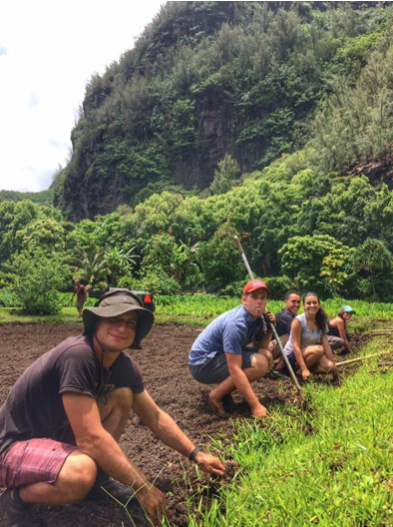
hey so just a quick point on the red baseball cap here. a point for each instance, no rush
(254, 285)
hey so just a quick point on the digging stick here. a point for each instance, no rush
(358, 359)
(271, 326)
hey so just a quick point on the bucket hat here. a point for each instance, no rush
(117, 302)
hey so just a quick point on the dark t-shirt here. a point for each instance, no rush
(81, 294)
(333, 331)
(34, 406)
(283, 322)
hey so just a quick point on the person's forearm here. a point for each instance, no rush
(299, 358)
(243, 385)
(167, 430)
(329, 354)
(111, 459)
(326, 348)
(265, 340)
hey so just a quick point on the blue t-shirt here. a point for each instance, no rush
(229, 333)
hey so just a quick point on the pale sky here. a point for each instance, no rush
(49, 49)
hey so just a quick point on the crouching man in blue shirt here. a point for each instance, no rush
(219, 355)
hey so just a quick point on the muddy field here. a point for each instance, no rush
(164, 365)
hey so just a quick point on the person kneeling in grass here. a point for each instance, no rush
(284, 320)
(62, 420)
(338, 335)
(308, 348)
(219, 354)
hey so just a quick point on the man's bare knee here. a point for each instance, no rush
(263, 352)
(77, 477)
(261, 363)
(121, 399)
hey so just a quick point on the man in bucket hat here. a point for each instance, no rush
(220, 356)
(62, 420)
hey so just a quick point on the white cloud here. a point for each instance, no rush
(48, 51)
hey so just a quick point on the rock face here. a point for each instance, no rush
(86, 193)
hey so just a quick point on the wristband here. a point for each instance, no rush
(191, 457)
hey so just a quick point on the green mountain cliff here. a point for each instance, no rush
(212, 79)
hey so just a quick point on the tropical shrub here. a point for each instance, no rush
(8, 298)
(278, 286)
(219, 261)
(315, 262)
(158, 282)
(127, 282)
(36, 281)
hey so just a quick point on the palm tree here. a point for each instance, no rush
(90, 265)
(120, 262)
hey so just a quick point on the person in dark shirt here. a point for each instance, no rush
(63, 418)
(81, 296)
(338, 335)
(284, 320)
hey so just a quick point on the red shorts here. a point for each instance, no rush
(31, 461)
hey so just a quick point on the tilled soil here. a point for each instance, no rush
(164, 365)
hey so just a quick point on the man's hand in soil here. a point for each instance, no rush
(259, 411)
(209, 464)
(153, 501)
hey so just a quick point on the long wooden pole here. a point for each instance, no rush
(358, 359)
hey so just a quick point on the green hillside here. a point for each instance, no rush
(242, 79)
(45, 197)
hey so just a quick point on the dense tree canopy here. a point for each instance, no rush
(328, 234)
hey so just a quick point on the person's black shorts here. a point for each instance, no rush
(215, 370)
(292, 361)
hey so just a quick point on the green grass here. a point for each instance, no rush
(200, 309)
(329, 464)
(207, 304)
(68, 315)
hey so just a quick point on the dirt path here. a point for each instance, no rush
(164, 365)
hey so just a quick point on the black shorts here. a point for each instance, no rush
(215, 370)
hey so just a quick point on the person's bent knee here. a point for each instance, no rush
(77, 476)
(264, 352)
(261, 362)
(320, 351)
(121, 399)
(329, 365)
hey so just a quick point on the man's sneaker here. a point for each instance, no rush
(113, 490)
(15, 514)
